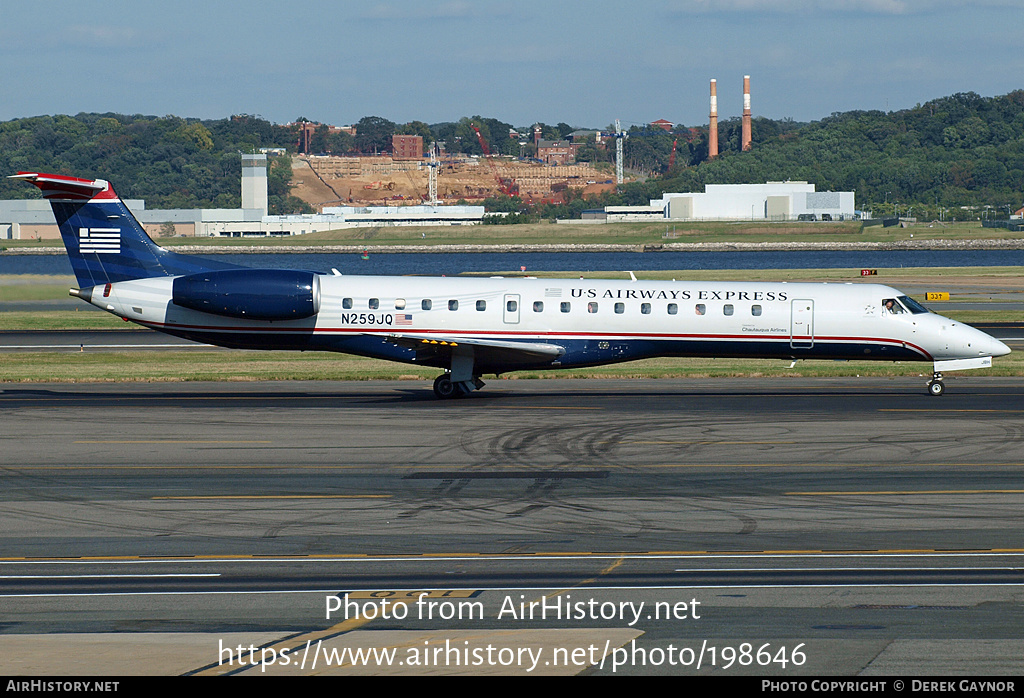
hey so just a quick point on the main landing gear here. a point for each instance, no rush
(462, 379)
(935, 386)
(445, 388)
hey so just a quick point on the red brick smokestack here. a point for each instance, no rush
(713, 124)
(746, 112)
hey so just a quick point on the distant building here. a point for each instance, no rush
(634, 214)
(663, 124)
(773, 201)
(254, 181)
(362, 216)
(307, 129)
(407, 147)
(557, 152)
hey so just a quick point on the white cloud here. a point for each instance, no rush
(454, 9)
(101, 36)
(877, 7)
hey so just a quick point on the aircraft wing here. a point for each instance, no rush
(486, 351)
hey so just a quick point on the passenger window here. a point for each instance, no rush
(727, 309)
(673, 309)
(399, 304)
(755, 310)
(453, 305)
(346, 303)
(620, 308)
(510, 306)
(481, 305)
(538, 306)
(645, 308)
(425, 304)
(700, 309)
(566, 306)
(374, 303)
(591, 307)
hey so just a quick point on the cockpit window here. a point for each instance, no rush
(913, 306)
(892, 306)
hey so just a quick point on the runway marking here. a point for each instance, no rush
(617, 558)
(12, 347)
(700, 442)
(539, 407)
(172, 441)
(516, 470)
(291, 643)
(837, 464)
(902, 492)
(278, 496)
(79, 398)
(612, 588)
(939, 409)
(603, 572)
(412, 595)
(110, 576)
(179, 466)
(469, 474)
(704, 570)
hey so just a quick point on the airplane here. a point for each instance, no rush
(469, 327)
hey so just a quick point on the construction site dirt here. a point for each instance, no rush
(382, 181)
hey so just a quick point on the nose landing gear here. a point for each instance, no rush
(935, 386)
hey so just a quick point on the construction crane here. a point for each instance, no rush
(672, 157)
(432, 176)
(507, 185)
(620, 136)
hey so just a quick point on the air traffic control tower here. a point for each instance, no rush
(254, 181)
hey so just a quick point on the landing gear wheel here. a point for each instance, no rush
(936, 388)
(444, 388)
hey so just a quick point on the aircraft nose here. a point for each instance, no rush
(987, 345)
(998, 348)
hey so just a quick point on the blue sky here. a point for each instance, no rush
(584, 63)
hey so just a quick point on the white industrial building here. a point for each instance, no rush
(772, 201)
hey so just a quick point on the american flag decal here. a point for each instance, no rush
(99, 240)
(403, 319)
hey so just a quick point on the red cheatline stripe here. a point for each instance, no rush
(456, 334)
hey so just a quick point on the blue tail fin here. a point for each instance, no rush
(104, 241)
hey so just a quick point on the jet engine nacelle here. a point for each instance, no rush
(255, 294)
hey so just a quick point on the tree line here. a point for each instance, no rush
(963, 150)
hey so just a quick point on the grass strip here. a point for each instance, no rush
(199, 365)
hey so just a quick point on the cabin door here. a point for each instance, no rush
(801, 332)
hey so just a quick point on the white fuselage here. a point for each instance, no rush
(596, 321)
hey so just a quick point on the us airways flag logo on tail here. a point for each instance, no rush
(99, 240)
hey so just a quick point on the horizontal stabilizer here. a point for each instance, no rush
(68, 188)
